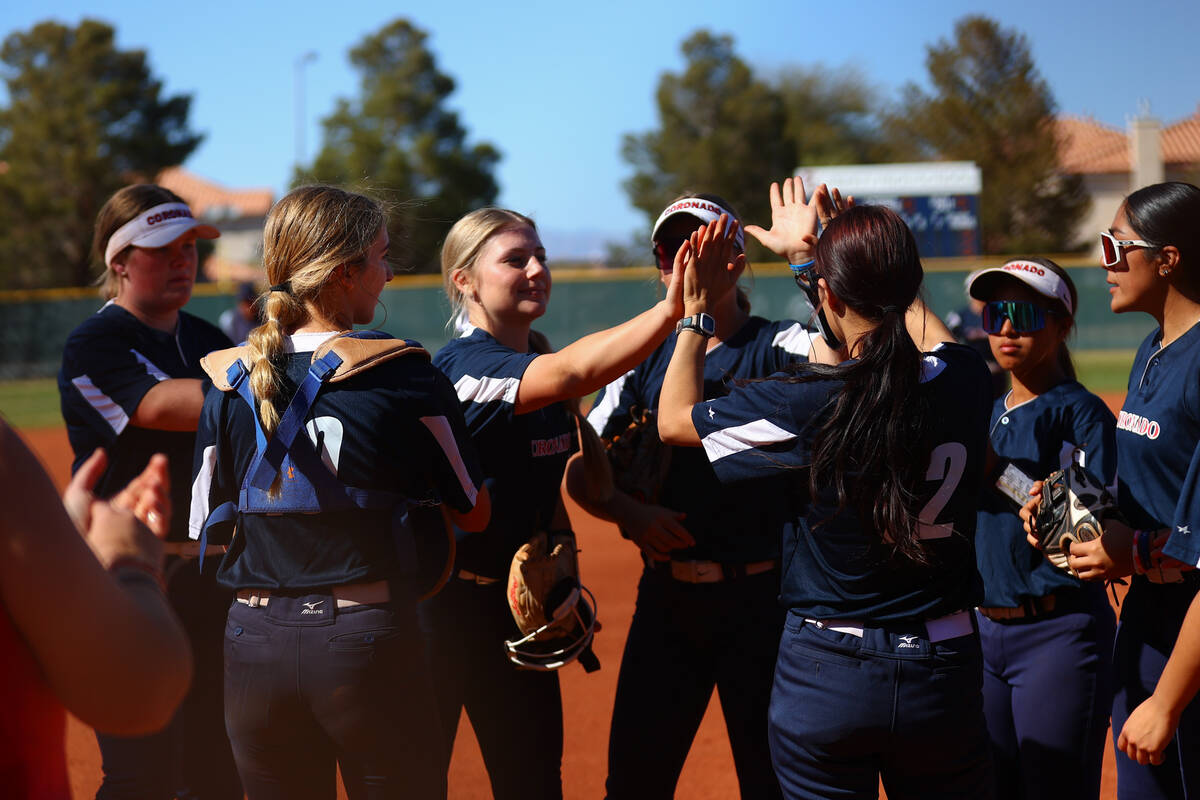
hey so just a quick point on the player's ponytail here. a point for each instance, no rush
(310, 234)
(873, 449)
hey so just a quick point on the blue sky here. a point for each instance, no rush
(555, 85)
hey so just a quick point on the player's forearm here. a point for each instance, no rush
(683, 387)
(595, 360)
(113, 653)
(1180, 678)
(138, 670)
(172, 405)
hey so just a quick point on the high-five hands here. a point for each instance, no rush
(794, 221)
(713, 268)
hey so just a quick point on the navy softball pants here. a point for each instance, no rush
(848, 710)
(191, 758)
(1047, 691)
(306, 691)
(516, 714)
(1151, 617)
(685, 640)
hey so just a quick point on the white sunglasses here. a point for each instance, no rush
(1110, 248)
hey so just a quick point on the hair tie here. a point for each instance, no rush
(285, 287)
(890, 309)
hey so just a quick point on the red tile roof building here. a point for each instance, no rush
(238, 213)
(1114, 163)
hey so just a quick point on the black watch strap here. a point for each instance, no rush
(701, 323)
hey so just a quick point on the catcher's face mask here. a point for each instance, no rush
(806, 279)
(558, 643)
(555, 612)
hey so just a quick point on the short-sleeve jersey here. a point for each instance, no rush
(730, 522)
(836, 566)
(1037, 437)
(523, 455)
(109, 363)
(395, 427)
(1158, 445)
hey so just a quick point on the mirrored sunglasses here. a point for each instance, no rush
(1024, 316)
(1110, 248)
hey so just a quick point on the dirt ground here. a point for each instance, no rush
(610, 568)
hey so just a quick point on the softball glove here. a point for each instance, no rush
(555, 612)
(639, 458)
(1074, 508)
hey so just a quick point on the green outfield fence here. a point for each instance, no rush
(36, 323)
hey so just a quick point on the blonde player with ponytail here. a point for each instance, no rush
(519, 400)
(320, 442)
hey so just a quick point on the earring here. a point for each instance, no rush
(1164, 271)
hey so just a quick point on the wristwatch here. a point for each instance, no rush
(700, 323)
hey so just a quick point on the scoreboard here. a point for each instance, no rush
(939, 199)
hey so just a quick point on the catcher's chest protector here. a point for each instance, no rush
(305, 484)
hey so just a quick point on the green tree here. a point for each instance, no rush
(720, 130)
(398, 140)
(833, 118)
(990, 105)
(83, 119)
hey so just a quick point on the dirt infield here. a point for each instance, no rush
(610, 568)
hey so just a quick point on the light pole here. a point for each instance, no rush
(298, 76)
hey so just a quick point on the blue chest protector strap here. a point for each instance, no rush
(287, 474)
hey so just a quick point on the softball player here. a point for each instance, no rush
(1047, 637)
(321, 657)
(131, 382)
(707, 612)
(1150, 253)
(512, 391)
(879, 667)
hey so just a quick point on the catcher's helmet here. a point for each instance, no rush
(554, 611)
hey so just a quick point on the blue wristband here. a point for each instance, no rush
(804, 266)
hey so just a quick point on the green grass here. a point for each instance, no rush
(34, 403)
(1104, 370)
(31, 403)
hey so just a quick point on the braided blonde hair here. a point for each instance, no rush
(309, 233)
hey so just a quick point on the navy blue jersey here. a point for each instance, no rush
(523, 455)
(394, 427)
(1037, 437)
(834, 565)
(730, 523)
(109, 363)
(1158, 442)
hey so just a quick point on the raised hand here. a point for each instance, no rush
(712, 267)
(793, 233)
(830, 204)
(675, 287)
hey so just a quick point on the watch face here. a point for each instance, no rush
(707, 324)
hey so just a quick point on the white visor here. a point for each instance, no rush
(156, 227)
(1045, 282)
(704, 210)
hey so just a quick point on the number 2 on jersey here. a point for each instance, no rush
(946, 464)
